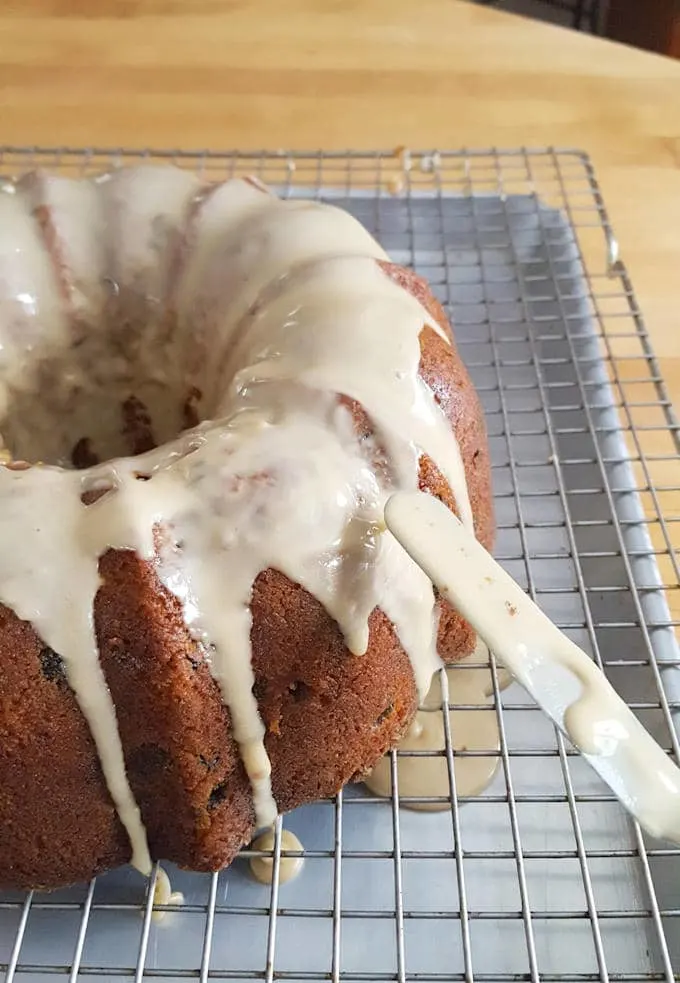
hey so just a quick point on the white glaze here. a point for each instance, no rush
(262, 868)
(164, 896)
(60, 537)
(423, 778)
(316, 328)
(73, 224)
(74, 211)
(562, 679)
(144, 210)
(284, 324)
(240, 240)
(100, 278)
(32, 320)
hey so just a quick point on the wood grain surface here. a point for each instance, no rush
(362, 74)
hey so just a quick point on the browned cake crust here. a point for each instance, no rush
(58, 822)
(443, 370)
(329, 715)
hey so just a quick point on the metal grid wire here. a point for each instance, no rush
(543, 875)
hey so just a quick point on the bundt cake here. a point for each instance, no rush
(207, 394)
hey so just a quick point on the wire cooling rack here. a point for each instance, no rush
(543, 875)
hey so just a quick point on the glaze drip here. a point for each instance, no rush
(272, 333)
(35, 534)
(164, 896)
(262, 868)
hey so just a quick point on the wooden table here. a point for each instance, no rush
(361, 73)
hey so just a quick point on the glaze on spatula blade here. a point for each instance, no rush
(563, 680)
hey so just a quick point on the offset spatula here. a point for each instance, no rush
(565, 683)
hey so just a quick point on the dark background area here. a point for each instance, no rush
(650, 24)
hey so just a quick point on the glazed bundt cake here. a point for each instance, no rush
(206, 396)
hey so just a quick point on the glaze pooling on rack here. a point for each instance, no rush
(276, 478)
(424, 782)
(262, 868)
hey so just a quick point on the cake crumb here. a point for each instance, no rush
(395, 184)
(403, 155)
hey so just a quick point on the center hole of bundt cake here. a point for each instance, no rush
(77, 421)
